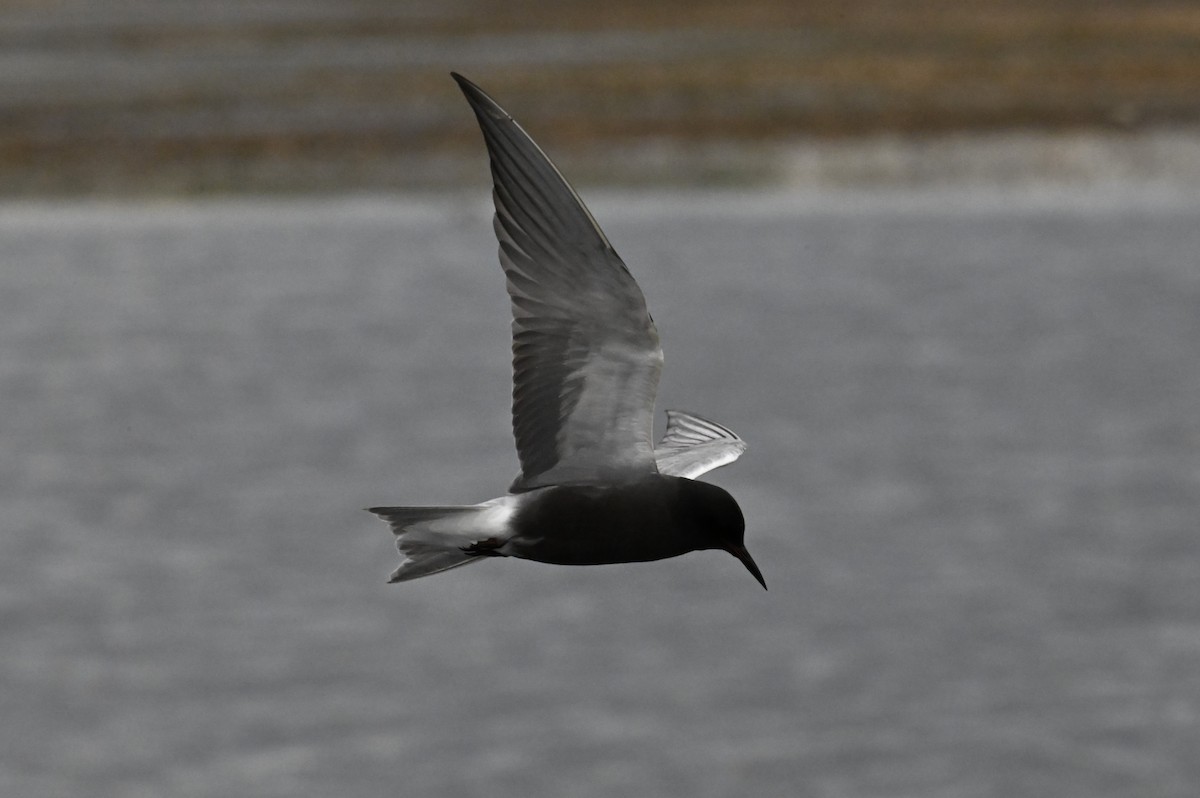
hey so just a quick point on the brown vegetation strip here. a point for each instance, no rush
(237, 95)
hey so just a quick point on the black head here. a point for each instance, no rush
(716, 522)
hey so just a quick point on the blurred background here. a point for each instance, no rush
(936, 261)
(155, 96)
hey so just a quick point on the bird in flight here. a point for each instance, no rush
(593, 487)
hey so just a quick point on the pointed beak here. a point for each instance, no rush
(742, 554)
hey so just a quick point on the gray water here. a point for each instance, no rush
(973, 487)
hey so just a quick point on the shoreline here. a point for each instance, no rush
(988, 160)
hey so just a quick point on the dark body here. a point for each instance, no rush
(649, 519)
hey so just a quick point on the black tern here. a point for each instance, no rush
(593, 487)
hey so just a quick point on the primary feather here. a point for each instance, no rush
(586, 354)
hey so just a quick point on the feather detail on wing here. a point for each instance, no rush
(693, 445)
(586, 354)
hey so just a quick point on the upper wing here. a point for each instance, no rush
(586, 356)
(693, 445)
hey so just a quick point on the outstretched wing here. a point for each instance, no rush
(586, 355)
(693, 445)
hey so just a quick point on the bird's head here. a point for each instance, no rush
(717, 522)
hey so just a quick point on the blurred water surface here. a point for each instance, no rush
(973, 487)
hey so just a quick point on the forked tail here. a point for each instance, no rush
(435, 539)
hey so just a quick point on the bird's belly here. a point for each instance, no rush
(565, 548)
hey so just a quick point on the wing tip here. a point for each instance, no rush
(479, 100)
